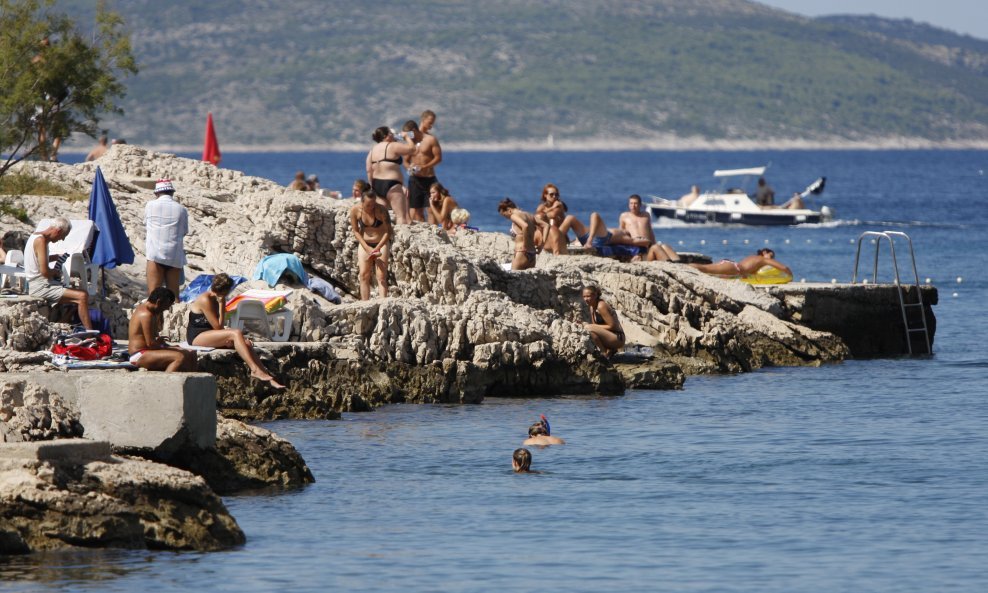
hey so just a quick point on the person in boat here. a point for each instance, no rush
(746, 267)
(205, 328)
(604, 327)
(764, 195)
(688, 199)
(523, 230)
(145, 344)
(371, 227)
(795, 202)
(299, 183)
(521, 461)
(384, 161)
(638, 224)
(441, 206)
(539, 436)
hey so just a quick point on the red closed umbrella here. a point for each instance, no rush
(211, 149)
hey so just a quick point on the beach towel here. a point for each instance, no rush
(619, 250)
(272, 299)
(320, 286)
(273, 267)
(201, 284)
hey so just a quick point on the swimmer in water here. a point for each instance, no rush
(521, 461)
(539, 435)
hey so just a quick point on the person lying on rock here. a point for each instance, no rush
(746, 267)
(147, 348)
(372, 228)
(521, 461)
(206, 315)
(538, 435)
(523, 230)
(605, 329)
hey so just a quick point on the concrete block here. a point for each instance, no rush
(65, 450)
(161, 412)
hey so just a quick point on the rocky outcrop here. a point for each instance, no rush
(458, 326)
(29, 412)
(246, 457)
(107, 501)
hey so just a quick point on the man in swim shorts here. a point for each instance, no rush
(422, 165)
(147, 348)
(638, 224)
(600, 236)
(167, 223)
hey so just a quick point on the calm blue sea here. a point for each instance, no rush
(861, 476)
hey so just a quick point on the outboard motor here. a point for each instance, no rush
(827, 213)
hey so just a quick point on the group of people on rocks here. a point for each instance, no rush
(547, 230)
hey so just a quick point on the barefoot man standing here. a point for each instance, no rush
(422, 165)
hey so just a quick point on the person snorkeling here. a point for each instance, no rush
(539, 434)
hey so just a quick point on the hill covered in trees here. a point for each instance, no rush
(295, 72)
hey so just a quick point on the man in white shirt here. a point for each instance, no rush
(167, 223)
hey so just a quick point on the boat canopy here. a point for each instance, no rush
(735, 172)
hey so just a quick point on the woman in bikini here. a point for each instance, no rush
(441, 206)
(372, 228)
(384, 171)
(555, 223)
(605, 329)
(745, 267)
(206, 328)
(523, 230)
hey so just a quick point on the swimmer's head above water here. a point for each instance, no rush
(521, 460)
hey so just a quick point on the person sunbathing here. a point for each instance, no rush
(441, 206)
(746, 267)
(145, 344)
(206, 328)
(600, 236)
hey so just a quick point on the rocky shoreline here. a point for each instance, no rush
(456, 329)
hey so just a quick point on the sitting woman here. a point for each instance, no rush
(206, 328)
(441, 206)
(371, 227)
(746, 267)
(605, 329)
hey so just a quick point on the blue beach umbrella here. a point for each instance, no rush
(112, 247)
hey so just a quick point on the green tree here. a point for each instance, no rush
(55, 80)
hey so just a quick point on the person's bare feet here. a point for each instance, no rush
(267, 378)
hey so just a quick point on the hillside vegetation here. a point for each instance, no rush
(319, 73)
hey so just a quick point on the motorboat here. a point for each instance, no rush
(731, 204)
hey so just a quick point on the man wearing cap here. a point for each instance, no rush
(167, 223)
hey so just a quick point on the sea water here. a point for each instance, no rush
(868, 475)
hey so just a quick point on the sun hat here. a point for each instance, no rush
(164, 186)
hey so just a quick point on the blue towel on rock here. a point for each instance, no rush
(273, 267)
(619, 250)
(201, 284)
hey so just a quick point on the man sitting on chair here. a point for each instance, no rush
(40, 278)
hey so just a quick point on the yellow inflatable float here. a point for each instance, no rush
(768, 275)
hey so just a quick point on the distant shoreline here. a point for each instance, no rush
(659, 145)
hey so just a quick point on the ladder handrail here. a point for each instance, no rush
(888, 235)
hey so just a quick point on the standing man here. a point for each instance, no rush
(422, 165)
(167, 223)
(147, 348)
(638, 224)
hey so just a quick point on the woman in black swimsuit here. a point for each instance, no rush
(605, 329)
(206, 328)
(384, 170)
(372, 228)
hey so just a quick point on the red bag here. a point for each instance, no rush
(99, 347)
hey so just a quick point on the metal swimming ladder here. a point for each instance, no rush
(903, 305)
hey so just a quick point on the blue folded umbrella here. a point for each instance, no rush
(111, 247)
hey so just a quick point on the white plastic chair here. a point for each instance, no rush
(15, 258)
(253, 310)
(78, 265)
